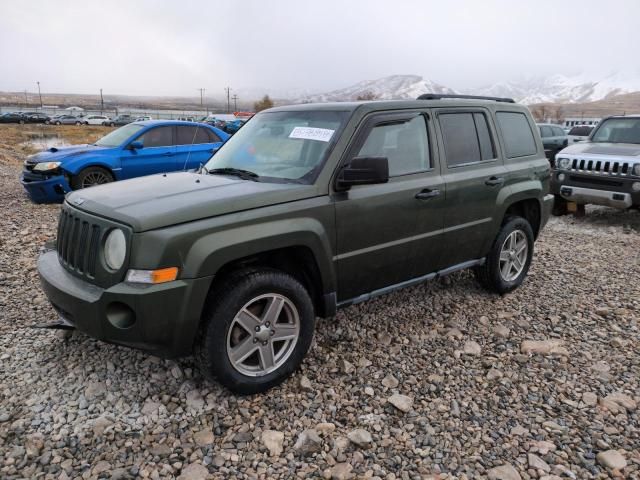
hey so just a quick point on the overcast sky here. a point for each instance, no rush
(162, 47)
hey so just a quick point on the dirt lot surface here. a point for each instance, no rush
(477, 398)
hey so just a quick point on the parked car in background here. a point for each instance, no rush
(579, 133)
(233, 126)
(136, 149)
(144, 118)
(119, 121)
(95, 119)
(553, 138)
(186, 119)
(307, 209)
(603, 170)
(67, 120)
(38, 118)
(13, 117)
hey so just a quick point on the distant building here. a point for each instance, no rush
(573, 121)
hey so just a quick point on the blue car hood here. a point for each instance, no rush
(56, 154)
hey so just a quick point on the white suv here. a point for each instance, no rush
(95, 119)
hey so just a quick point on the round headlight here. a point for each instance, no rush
(636, 170)
(563, 163)
(115, 249)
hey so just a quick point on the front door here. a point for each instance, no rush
(381, 228)
(156, 156)
(474, 174)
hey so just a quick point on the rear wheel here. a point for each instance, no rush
(78, 123)
(256, 330)
(57, 123)
(508, 262)
(113, 124)
(90, 177)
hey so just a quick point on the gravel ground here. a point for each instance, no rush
(434, 382)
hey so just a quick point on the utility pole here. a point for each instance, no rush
(39, 95)
(26, 100)
(101, 102)
(235, 102)
(202, 90)
(228, 89)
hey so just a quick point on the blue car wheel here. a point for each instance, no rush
(90, 177)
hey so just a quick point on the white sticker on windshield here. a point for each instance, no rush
(311, 133)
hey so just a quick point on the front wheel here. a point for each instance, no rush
(90, 177)
(508, 262)
(257, 328)
(57, 123)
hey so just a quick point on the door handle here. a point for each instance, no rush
(427, 193)
(493, 181)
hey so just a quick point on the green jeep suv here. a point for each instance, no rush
(307, 209)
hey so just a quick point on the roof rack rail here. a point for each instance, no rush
(441, 96)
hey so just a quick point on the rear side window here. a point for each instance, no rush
(157, 137)
(466, 138)
(558, 132)
(193, 135)
(517, 134)
(405, 144)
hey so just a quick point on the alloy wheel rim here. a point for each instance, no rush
(263, 335)
(94, 178)
(513, 255)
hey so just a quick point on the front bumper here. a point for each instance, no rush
(611, 191)
(160, 319)
(43, 189)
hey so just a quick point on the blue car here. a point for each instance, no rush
(137, 149)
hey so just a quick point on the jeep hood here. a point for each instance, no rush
(157, 201)
(56, 154)
(609, 149)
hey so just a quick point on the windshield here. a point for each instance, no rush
(115, 138)
(282, 146)
(582, 131)
(618, 130)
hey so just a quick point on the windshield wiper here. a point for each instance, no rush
(238, 172)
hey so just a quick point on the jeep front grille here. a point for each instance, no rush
(601, 167)
(78, 242)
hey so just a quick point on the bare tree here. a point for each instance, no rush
(558, 115)
(367, 95)
(263, 104)
(539, 113)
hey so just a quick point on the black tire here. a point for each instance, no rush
(21, 122)
(489, 275)
(57, 123)
(47, 122)
(113, 124)
(559, 206)
(90, 176)
(78, 123)
(237, 291)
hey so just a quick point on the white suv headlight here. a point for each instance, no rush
(636, 170)
(115, 249)
(46, 166)
(563, 163)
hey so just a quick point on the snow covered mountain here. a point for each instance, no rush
(387, 88)
(551, 89)
(562, 89)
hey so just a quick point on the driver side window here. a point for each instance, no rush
(157, 137)
(405, 144)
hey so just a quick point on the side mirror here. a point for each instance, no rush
(363, 171)
(137, 145)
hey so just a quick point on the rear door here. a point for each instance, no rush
(195, 145)
(474, 175)
(382, 229)
(156, 156)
